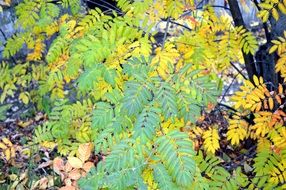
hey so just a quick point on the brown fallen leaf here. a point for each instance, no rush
(68, 182)
(39, 116)
(84, 151)
(74, 174)
(74, 183)
(43, 184)
(67, 188)
(83, 173)
(58, 165)
(75, 162)
(45, 164)
(68, 167)
(87, 166)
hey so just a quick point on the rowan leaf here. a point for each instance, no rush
(84, 151)
(58, 165)
(75, 162)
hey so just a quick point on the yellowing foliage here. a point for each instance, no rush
(266, 126)
(279, 46)
(238, 130)
(211, 140)
(8, 151)
(146, 108)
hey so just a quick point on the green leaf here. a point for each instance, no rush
(3, 110)
(87, 79)
(167, 98)
(176, 152)
(102, 115)
(146, 124)
(110, 76)
(136, 96)
(163, 178)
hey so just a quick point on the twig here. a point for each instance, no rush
(239, 71)
(228, 107)
(202, 7)
(225, 93)
(215, 6)
(184, 26)
(103, 6)
(166, 31)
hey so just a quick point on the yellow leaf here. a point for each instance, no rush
(278, 99)
(255, 80)
(254, 97)
(7, 154)
(276, 42)
(26, 152)
(265, 16)
(13, 152)
(280, 89)
(3, 146)
(48, 144)
(8, 2)
(271, 103)
(275, 14)
(84, 151)
(265, 6)
(71, 23)
(211, 140)
(75, 162)
(237, 130)
(7, 141)
(258, 107)
(249, 84)
(273, 49)
(261, 80)
(259, 93)
(282, 8)
(24, 98)
(24, 124)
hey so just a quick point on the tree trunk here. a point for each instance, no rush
(238, 21)
(265, 61)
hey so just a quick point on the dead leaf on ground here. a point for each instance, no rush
(67, 188)
(45, 164)
(87, 166)
(68, 167)
(68, 182)
(75, 174)
(58, 165)
(75, 162)
(84, 151)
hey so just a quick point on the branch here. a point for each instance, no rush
(184, 26)
(238, 21)
(202, 7)
(215, 6)
(223, 96)
(166, 31)
(239, 71)
(228, 107)
(104, 6)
